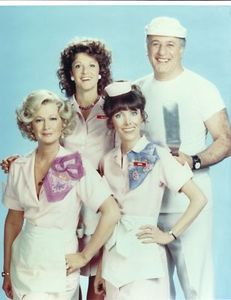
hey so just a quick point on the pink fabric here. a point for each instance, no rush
(148, 289)
(91, 137)
(62, 175)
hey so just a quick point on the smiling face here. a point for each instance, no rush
(47, 124)
(85, 70)
(165, 54)
(127, 124)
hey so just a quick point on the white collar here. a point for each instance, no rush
(140, 144)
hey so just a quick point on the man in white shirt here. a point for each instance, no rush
(182, 108)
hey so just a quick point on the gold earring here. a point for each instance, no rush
(32, 136)
(62, 135)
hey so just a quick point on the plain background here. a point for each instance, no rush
(32, 37)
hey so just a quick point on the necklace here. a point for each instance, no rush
(89, 106)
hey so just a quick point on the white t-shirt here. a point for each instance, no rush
(196, 100)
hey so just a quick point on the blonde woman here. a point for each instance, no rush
(44, 194)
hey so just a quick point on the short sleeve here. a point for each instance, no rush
(174, 174)
(10, 195)
(92, 189)
(209, 100)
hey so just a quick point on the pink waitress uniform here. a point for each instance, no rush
(93, 139)
(133, 270)
(51, 218)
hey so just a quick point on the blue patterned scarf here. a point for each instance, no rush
(140, 164)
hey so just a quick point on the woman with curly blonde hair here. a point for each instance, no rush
(44, 194)
(84, 71)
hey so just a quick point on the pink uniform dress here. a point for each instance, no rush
(49, 231)
(93, 140)
(133, 270)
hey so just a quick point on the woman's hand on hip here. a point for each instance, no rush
(152, 234)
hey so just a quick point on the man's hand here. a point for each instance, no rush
(5, 163)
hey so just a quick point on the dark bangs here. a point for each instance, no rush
(129, 101)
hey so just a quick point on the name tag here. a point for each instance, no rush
(139, 163)
(101, 117)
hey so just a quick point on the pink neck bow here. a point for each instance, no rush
(62, 176)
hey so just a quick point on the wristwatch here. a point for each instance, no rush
(196, 162)
(172, 234)
(4, 274)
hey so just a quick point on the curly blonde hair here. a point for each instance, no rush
(26, 112)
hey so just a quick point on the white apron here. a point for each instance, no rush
(126, 258)
(38, 259)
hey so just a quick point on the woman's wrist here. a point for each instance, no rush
(172, 234)
(86, 258)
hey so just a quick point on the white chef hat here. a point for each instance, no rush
(117, 88)
(166, 26)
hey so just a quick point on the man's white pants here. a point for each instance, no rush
(191, 256)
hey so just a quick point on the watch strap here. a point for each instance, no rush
(4, 274)
(196, 162)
